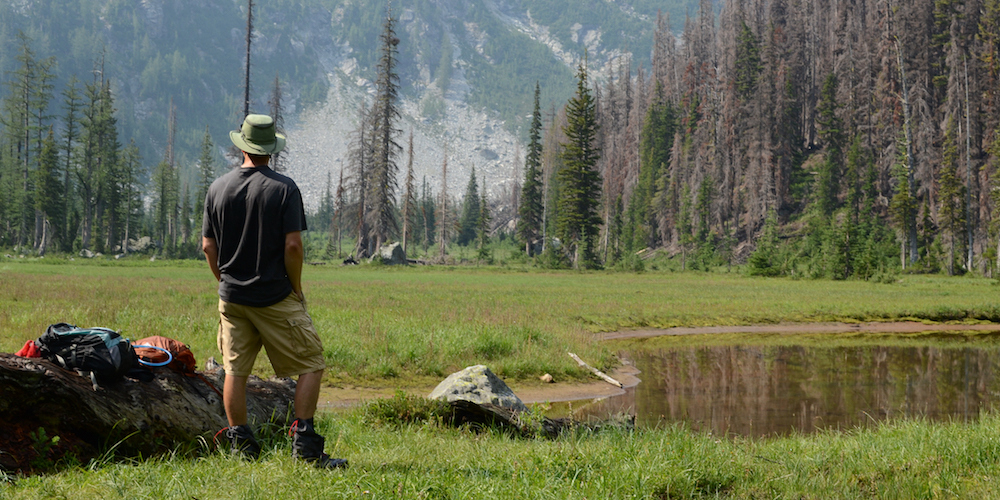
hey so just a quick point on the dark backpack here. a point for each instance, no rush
(101, 351)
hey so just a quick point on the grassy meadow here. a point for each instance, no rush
(414, 324)
(410, 327)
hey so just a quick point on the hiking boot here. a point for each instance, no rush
(307, 446)
(242, 441)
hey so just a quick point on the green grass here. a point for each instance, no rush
(393, 326)
(381, 323)
(904, 460)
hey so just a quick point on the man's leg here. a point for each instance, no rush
(294, 348)
(239, 344)
(234, 398)
(307, 394)
(307, 444)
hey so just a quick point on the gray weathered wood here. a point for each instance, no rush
(130, 416)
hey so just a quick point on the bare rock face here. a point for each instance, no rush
(477, 384)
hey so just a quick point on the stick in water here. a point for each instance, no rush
(597, 372)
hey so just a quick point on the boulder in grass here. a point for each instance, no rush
(477, 384)
(391, 254)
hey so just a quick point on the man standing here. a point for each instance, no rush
(253, 243)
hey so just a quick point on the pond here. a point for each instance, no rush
(762, 390)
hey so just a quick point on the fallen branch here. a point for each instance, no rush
(597, 372)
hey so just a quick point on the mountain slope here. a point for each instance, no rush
(467, 66)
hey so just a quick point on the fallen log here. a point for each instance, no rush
(48, 413)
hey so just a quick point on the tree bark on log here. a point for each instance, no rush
(40, 400)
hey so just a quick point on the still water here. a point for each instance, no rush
(760, 390)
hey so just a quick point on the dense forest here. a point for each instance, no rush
(831, 138)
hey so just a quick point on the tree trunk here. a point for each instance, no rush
(46, 237)
(39, 399)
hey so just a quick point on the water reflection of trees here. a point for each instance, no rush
(760, 390)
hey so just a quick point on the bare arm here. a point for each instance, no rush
(212, 256)
(293, 261)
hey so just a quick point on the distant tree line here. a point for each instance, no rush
(849, 139)
(67, 183)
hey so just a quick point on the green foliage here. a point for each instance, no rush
(529, 223)
(748, 63)
(764, 261)
(952, 207)
(155, 53)
(553, 258)
(419, 458)
(42, 445)
(656, 142)
(470, 212)
(828, 180)
(404, 409)
(483, 230)
(577, 222)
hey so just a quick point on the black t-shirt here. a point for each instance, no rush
(248, 211)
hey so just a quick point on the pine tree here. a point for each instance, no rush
(206, 175)
(578, 220)
(164, 204)
(131, 172)
(382, 210)
(442, 207)
(483, 228)
(325, 212)
(828, 181)
(24, 124)
(48, 192)
(951, 195)
(341, 205)
(337, 215)
(529, 223)
(185, 219)
(706, 192)
(655, 150)
(71, 104)
(748, 62)
(903, 206)
(109, 203)
(359, 163)
(470, 212)
(764, 259)
(427, 221)
(88, 170)
(409, 197)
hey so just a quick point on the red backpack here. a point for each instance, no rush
(158, 351)
(174, 354)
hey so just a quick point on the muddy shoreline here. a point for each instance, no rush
(333, 398)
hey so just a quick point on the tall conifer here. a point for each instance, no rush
(529, 224)
(382, 210)
(470, 212)
(578, 220)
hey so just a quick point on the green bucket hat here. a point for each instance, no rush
(257, 136)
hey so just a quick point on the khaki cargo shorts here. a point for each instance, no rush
(285, 330)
